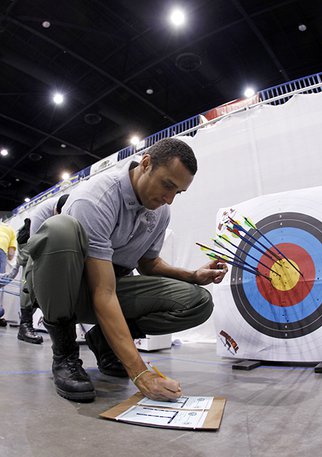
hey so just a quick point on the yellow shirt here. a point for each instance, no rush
(8, 238)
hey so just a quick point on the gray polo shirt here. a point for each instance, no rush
(119, 228)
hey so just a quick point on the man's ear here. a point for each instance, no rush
(145, 162)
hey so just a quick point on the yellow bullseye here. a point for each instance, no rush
(288, 278)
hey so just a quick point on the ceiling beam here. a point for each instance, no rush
(38, 73)
(82, 59)
(27, 177)
(48, 135)
(261, 39)
(26, 140)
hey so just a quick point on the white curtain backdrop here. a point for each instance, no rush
(263, 150)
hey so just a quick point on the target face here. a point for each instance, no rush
(288, 302)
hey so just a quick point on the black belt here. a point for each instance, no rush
(121, 271)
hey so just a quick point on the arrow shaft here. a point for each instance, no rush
(249, 255)
(238, 257)
(223, 257)
(242, 267)
(273, 246)
(252, 244)
(231, 261)
(280, 252)
(239, 227)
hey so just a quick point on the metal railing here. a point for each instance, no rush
(183, 126)
(289, 87)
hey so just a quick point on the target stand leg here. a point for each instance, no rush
(318, 368)
(247, 365)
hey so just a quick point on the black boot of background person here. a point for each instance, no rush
(3, 322)
(26, 330)
(107, 361)
(71, 380)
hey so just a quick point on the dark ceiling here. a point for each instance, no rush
(104, 55)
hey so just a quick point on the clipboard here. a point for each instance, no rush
(211, 422)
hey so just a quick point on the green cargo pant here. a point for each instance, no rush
(22, 260)
(56, 279)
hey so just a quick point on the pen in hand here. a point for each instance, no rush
(156, 370)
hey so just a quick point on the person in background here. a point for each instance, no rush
(82, 272)
(44, 210)
(26, 331)
(8, 246)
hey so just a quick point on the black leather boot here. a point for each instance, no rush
(107, 361)
(71, 380)
(26, 330)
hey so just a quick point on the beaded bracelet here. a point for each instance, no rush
(139, 375)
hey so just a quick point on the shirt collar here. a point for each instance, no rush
(128, 194)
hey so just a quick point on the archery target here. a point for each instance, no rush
(289, 304)
(277, 318)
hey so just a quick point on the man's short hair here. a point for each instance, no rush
(61, 202)
(165, 150)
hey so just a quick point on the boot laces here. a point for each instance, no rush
(75, 366)
(31, 329)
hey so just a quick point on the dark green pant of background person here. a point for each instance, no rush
(26, 331)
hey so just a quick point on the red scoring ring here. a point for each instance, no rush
(303, 287)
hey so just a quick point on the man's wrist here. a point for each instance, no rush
(137, 377)
(135, 368)
(194, 277)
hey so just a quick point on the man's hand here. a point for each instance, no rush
(153, 386)
(11, 253)
(211, 272)
(6, 278)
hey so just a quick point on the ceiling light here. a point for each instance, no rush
(249, 92)
(149, 91)
(65, 175)
(27, 199)
(177, 17)
(63, 145)
(46, 24)
(58, 98)
(302, 27)
(135, 140)
(4, 152)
